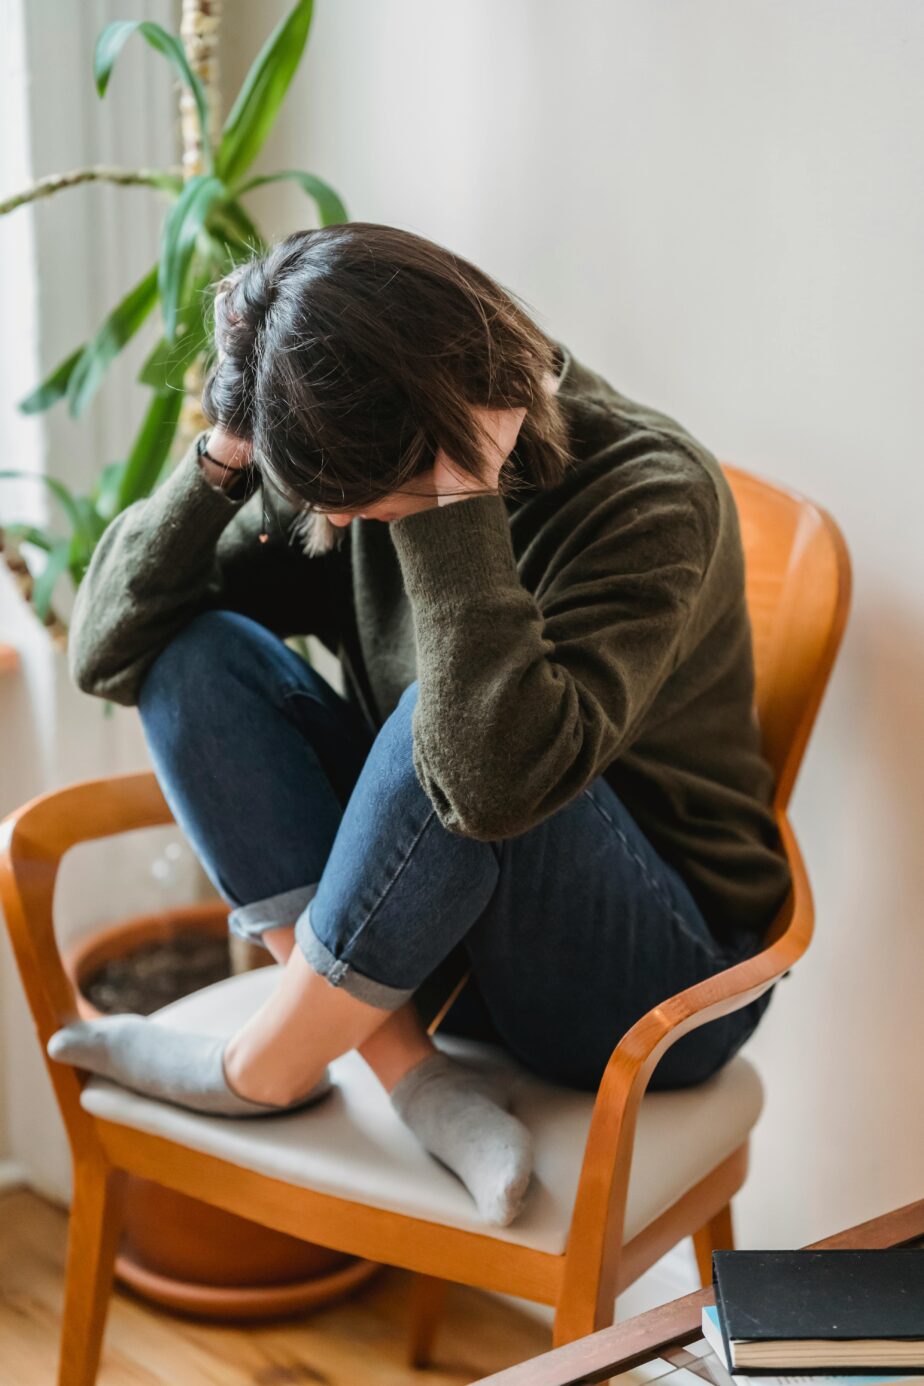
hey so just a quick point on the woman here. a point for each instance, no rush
(546, 766)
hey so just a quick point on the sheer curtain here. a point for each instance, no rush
(65, 260)
(18, 327)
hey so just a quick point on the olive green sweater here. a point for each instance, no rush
(599, 628)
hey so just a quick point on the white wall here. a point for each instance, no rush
(719, 205)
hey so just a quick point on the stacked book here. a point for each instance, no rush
(818, 1314)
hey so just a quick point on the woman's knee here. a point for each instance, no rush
(394, 739)
(388, 785)
(405, 704)
(213, 646)
(195, 654)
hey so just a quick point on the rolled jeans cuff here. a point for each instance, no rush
(251, 921)
(343, 974)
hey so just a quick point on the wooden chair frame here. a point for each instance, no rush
(583, 1282)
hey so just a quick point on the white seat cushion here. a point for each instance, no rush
(353, 1146)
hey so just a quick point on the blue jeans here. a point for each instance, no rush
(300, 814)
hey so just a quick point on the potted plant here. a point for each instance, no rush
(176, 1250)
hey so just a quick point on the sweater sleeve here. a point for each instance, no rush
(186, 548)
(524, 700)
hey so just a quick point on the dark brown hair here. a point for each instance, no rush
(348, 355)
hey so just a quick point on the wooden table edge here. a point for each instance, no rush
(625, 1345)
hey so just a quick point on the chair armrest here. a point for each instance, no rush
(640, 1049)
(59, 819)
(33, 840)
(597, 1221)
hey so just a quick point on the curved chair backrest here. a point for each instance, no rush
(798, 591)
(797, 572)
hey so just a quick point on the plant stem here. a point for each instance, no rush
(199, 28)
(96, 173)
(24, 581)
(200, 24)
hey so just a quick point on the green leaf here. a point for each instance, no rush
(257, 103)
(92, 526)
(102, 349)
(185, 221)
(150, 448)
(31, 534)
(167, 182)
(233, 228)
(43, 590)
(106, 490)
(168, 362)
(53, 387)
(329, 205)
(112, 40)
(166, 365)
(58, 489)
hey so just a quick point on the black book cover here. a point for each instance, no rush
(769, 1296)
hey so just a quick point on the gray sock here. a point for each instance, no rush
(171, 1065)
(457, 1113)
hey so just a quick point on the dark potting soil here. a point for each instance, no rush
(157, 973)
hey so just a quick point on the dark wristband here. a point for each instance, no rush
(202, 451)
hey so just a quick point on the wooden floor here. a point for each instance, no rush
(360, 1342)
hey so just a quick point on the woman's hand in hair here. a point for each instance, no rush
(233, 456)
(501, 428)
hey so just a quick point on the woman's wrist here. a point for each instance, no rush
(223, 458)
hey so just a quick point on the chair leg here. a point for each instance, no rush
(428, 1300)
(585, 1312)
(718, 1234)
(93, 1236)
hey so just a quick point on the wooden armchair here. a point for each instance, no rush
(348, 1175)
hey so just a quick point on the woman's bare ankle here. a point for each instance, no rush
(280, 942)
(258, 1079)
(397, 1046)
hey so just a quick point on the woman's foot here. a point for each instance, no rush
(457, 1113)
(170, 1065)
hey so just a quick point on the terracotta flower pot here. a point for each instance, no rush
(188, 1255)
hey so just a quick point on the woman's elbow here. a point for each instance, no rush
(82, 667)
(490, 797)
(483, 816)
(90, 673)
